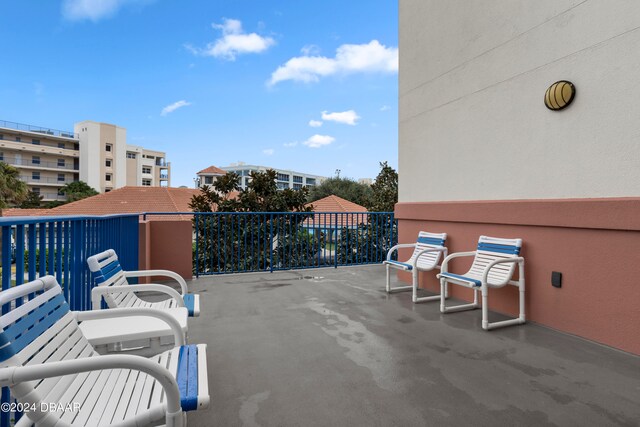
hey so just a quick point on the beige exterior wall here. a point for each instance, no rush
(46, 165)
(473, 125)
(149, 168)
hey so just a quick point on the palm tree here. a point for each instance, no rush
(12, 190)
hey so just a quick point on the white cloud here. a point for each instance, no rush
(317, 141)
(384, 108)
(268, 152)
(234, 42)
(310, 50)
(349, 58)
(315, 123)
(173, 107)
(290, 144)
(347, 117)
(94, 10)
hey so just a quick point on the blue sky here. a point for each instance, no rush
(302, 85)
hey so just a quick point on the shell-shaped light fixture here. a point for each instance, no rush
(559, 95)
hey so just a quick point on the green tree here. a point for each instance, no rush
(229, 241)
(12, 190)
(32, 201)
(342, 187)
(370, 240)
(77, 190)
(384, 190)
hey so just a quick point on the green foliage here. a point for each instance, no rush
(251, 242)
(12, 190)
(346, 188)
(32, 201)
(384, 190)
(368, 242)
(46, 258)
(77, 190)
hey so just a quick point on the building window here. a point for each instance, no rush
(36, 190)
(297, 186)
(1, 156)
(297, 179)
(146, 182)
(311, 181)
(61, 145)
(146, 169)
(35, 141)
(35, 176)
(283, 185)
(1, 136)
(208, 180)
(61, 177)
(18, 139)
(60, 163)
(107, 177)
(283, 177)
(131, 155)
(106, 190)
(35, 160)
(109, 147)
(107, 163)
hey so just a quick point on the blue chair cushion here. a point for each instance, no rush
(189, 303)
(402, 265)
(187, 377)
(476, 282)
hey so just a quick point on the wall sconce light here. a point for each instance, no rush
(559, 95)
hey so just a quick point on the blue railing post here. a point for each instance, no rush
(197, 248)
(271, 243)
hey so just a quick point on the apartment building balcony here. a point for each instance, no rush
(46, 181)
(328, 346)
(42, 164)
(38, 130)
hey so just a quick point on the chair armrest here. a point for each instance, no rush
(445, 263)
(165, 273)
(424, 251)
(178, 334)
(485, 275)
(98, 291)
(19, 374)
(396, 247)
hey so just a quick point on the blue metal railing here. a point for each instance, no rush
(240, 242)
(59, 246)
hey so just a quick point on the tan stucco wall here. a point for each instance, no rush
(473, 125)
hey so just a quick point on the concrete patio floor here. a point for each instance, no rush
(328, 347)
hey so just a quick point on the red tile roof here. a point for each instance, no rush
(123, 200)
(212, 170)
(336, 204)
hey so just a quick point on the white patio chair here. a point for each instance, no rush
(428, 249)
(47, 363)
(493, 267)
(112, 285)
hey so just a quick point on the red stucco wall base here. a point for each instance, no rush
(594, 243)
(166, 245)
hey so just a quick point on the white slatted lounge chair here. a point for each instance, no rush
(426, 255)
(46, 360)
(112, 285)
(493, 267)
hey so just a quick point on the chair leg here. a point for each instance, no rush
(460, 307)
(485, 308)
(517, 321)
(398, 288)
(417, 300)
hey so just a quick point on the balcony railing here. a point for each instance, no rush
(38, 129)
(40, 164)
(29, 179)
(241, 242)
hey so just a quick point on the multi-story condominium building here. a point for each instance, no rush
(108, 162)
(96, 153)
(147, 168)
(285, 178)
(46, 159)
